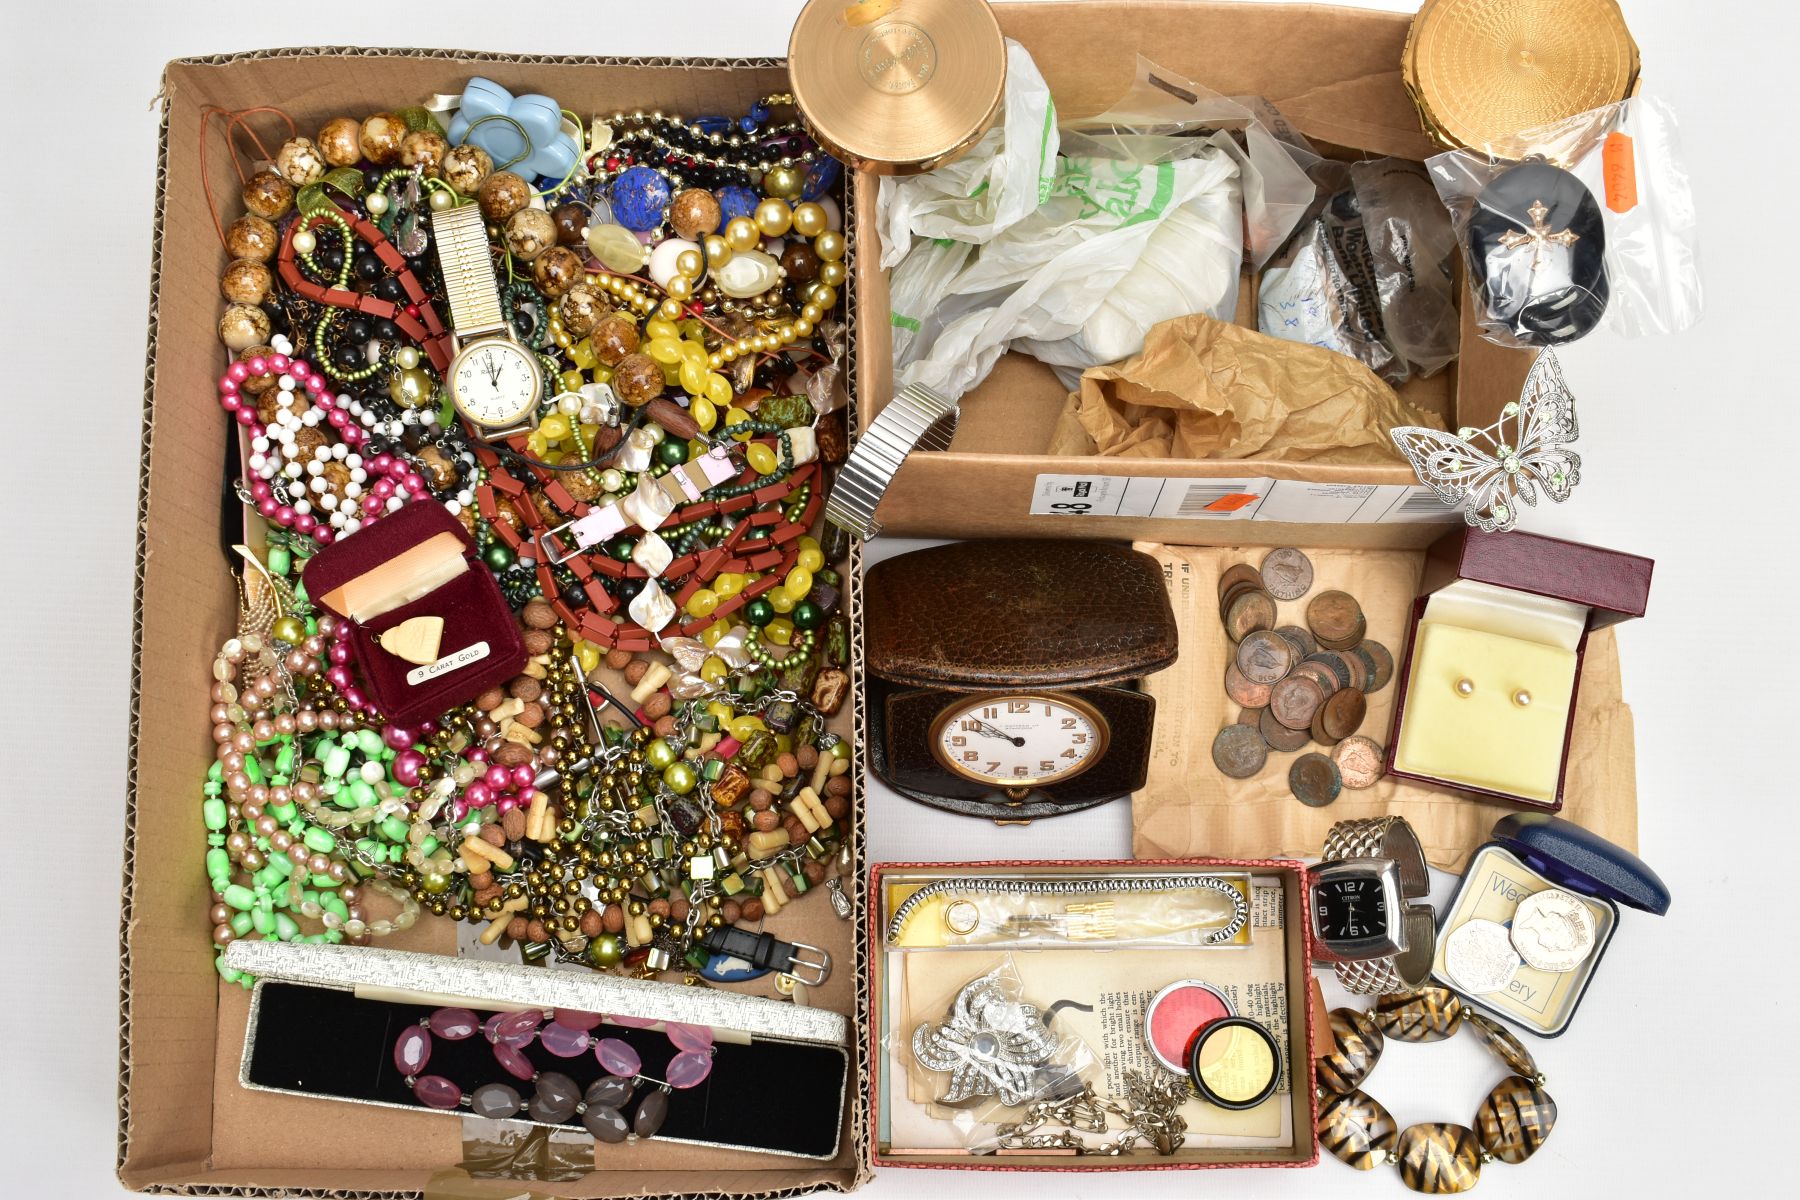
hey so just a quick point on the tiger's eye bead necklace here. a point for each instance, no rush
(1436, 1158)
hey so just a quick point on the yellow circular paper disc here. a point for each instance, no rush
(1482, 70)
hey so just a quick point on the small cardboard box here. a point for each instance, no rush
(185, 1124)
(1533, 600)
(1304, 1019)
(1335, 75)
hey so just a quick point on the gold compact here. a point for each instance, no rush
(896, 87)
(1481, 71)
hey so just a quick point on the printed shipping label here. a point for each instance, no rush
(1246, 499)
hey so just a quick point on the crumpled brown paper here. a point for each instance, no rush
(1187, 808)
(1202, 388)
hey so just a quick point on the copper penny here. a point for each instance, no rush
(1353, 638)
(1314, 780)
(1317, 730)
(1384, 665)
(1236, 590)
(1302, 640)
(1360, 762)
(1251, 717)
(1319, 674)
(1333, 616)
(1343, 712)
(1264, 657)
(1330, 662)
(1250, 612)
(1358, 666)
(1294, 700)
(1287, 573)
(1279, 736)
(1238, 573)
(1242, 690)
(1239, 751)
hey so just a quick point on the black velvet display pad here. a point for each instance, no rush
(329, 1043)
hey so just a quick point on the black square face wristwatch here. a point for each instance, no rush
(1365, 903)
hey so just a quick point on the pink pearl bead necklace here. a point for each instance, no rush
(285, 479)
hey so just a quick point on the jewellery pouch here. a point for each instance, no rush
(404, 566)
(1529, 853)
(1188, 807)
(1488, 683)
(324, 1019)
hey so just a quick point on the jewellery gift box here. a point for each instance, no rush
(1489, 680)
(1094, 948)
(1530, 853)
(418, 562)
(366, 997)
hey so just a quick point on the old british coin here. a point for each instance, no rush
(1333, 663)
(1553, 930)
(1232, 593)
(1294, 700)
(1238, 573)
(1480, 957)
(1360, 761)
(1263, 657)
(1249, 613)
(1358, 667)
(1318, 673)
(1239, 751)
(1279, 736)
(1384, 665)
(1251, 716)
(1314, 780)
(1354, 637)
(1244, 691)
(1342, 713)
(1302, 641)
(1333, 617)
(1287, 573)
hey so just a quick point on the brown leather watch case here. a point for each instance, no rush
(946, 623)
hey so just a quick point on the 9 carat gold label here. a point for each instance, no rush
(897, 57)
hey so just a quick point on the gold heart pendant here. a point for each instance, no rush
(415, 640)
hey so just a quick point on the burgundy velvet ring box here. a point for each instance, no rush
(1490, 678)
(418, 562)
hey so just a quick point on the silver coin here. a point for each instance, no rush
(1553, 930)
(1480, 957)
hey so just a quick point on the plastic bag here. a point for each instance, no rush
(1073, 256)
(1593, 227)
(1369, 276)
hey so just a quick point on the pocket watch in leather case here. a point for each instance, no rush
(1001, 674)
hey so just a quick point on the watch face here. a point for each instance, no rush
(494, 383)
(1350, 909)
(1019, 741)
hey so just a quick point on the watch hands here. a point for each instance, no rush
(986, 730)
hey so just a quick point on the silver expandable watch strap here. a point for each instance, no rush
(917, 418)
(1393, 839)
(468, 269)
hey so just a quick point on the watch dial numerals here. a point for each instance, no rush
(1021, 741)
(1350, 909)
(494, 383)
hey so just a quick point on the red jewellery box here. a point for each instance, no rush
(1094, 946)
(418, 562)
(1492, 671)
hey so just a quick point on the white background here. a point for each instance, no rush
(1679, 1073)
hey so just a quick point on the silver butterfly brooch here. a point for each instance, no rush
(1485, 472)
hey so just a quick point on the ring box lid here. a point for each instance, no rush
(1614, 586)
(1007, 613)
(374, 545)
(1580, 861)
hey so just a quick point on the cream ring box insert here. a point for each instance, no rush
(1490, 680)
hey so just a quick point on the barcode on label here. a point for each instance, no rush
(1214, 499)
(1421, 504)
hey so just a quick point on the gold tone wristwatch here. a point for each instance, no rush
(494, 382)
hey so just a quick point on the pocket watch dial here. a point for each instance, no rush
(1349, 909)
(494, 383)
(1019, 741)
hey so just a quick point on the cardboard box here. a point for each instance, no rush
(1544, 595)
(185, 1124)
(1335, 74)
(1305, 1023)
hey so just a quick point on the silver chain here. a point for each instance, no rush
(1150, 1113)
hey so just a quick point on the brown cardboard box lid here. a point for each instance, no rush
(1614, 585)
